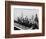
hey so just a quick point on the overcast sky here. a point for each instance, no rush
(26, 12)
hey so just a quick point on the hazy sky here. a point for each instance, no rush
(26, 12)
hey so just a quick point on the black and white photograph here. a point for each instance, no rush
(26, 19)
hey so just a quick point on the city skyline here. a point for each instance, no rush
(18, 13)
